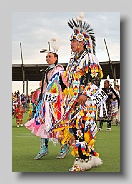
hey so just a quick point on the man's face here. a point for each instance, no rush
(106, 85)
(74, 45)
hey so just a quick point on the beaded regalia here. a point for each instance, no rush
(84, 74)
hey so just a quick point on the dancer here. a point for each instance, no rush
(84, 74)
(117, 104)
(49, 108)
(19, 115)
(105, 110)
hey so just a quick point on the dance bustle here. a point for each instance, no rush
(80, 165)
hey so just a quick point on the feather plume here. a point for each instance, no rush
(81, 15)
(74, 22)
(70, 23)
(55, 44)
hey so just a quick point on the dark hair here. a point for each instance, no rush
(107, 81)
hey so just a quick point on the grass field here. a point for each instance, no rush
(25, 146)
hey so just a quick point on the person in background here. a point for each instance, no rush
(19, 115)
(30, 112)
(49, 109)
(34, 101)
(28, 102)
(14, 104)
(117, 104)
(105, 110)
(24, 102)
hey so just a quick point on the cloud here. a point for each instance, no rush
(34, 31)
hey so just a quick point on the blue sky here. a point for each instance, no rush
(35, 29)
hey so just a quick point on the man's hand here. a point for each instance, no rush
(81, 99)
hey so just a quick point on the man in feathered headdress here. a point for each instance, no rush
(84, 75)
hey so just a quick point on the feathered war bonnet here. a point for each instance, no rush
(82, 31)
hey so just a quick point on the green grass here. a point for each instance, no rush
(25, 146)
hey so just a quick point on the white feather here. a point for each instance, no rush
(108, 77)
(55, 44)
(93, 162)
(79, 18)
(81, 15)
